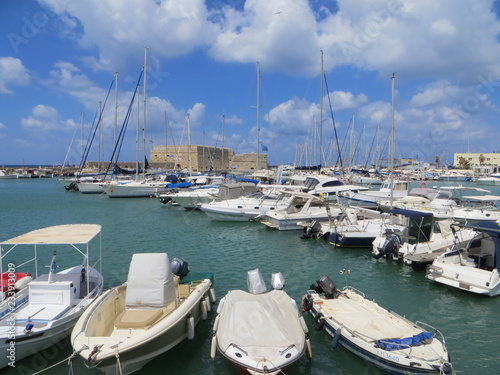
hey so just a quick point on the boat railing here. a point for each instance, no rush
(354, 290)
(435, 330)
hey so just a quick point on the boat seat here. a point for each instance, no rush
(137, 318)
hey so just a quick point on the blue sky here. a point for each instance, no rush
(58, 59)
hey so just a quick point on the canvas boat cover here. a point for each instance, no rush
(59, 234)
(259, 321)
(150, 282)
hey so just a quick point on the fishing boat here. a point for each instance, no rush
(157, 308)
(45, 310)
(377, 335)
(474, 267)
(277, 340)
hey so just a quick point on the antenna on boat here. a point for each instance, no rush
(53, 266)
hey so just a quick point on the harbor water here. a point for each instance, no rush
(470, 323)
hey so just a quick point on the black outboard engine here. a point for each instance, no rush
(390, 247)
(325, 285)
(179, 267)
(312, 230)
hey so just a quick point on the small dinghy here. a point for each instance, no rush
(157, 308)
(260, 332)
(379, 336)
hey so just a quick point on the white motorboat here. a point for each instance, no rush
(260, 332)
(131, 324)
(377, 335)
(246, 208)
(45, 311)
(328, 187)
(474, 267)
(5, 175)
(454, 176)
(421, 239)
(371, 199)
(352, 232)
(486, 208)
(493, 179)
(135, 189)
(301, 208)
(193, 197)
(190, 198)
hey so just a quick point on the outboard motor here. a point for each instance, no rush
(179, 267)
(312, 230)
(390, 247)
(325, 285)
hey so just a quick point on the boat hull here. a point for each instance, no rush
(344, 240)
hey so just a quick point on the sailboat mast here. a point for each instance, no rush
(189, 144)
(116, 108)
(82, 114)
(258, 116)
(392, 151)
(321, 113)
(222, 148)
(144, 115)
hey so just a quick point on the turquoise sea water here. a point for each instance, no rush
(470, 323)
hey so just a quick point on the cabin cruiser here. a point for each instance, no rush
(421, 240)
(302, 208)
(370, 199)
(472, 267)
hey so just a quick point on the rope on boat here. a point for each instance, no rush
(118, 364)
(69, 360)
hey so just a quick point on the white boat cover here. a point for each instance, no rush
(259, 321)
(150, 282)
(59, 234)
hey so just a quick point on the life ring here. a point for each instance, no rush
(423, 185)
(307, 303)
(319, 322)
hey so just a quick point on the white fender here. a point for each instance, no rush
(213, 347)
(190, 327)
(212, 295)
(309, 352)
(23, 283)
(336, 338)
(204, 309)
(216, 323)
(207, 302)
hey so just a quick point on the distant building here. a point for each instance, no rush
(490, 164)
(204, 158)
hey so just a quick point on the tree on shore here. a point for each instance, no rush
(463, 163)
